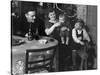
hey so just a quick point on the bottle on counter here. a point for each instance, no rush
(30, 36)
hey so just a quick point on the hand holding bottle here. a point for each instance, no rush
(29, 36)
(26, 35)
(82, 43)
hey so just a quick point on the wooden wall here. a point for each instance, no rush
(91, 21)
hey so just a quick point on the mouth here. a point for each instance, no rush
(32, 20)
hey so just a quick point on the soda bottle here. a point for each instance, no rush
(30, 38)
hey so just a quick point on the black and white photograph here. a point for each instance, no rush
(48, 37)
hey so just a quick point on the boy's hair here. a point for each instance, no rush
(62, 15)
(81, 22)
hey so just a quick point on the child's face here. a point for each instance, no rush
(52, 15)
(61, 19)
(78, 26)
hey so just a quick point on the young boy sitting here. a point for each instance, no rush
(80, 37)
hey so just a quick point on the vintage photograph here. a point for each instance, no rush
(52, 37)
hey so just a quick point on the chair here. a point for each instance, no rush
(82, 53)
(40, 60)
(84, 56)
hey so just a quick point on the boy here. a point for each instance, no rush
(80, 37)
(79, 34)
(64, 30)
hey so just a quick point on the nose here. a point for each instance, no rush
(54, 15)
(34, 17)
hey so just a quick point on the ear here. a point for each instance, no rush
(48, 16)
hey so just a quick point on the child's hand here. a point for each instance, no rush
(68, 29)
(63, 28)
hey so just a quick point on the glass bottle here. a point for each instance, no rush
(30, 38)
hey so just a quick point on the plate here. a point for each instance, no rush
(42, 41)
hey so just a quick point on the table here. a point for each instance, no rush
(18, 52)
